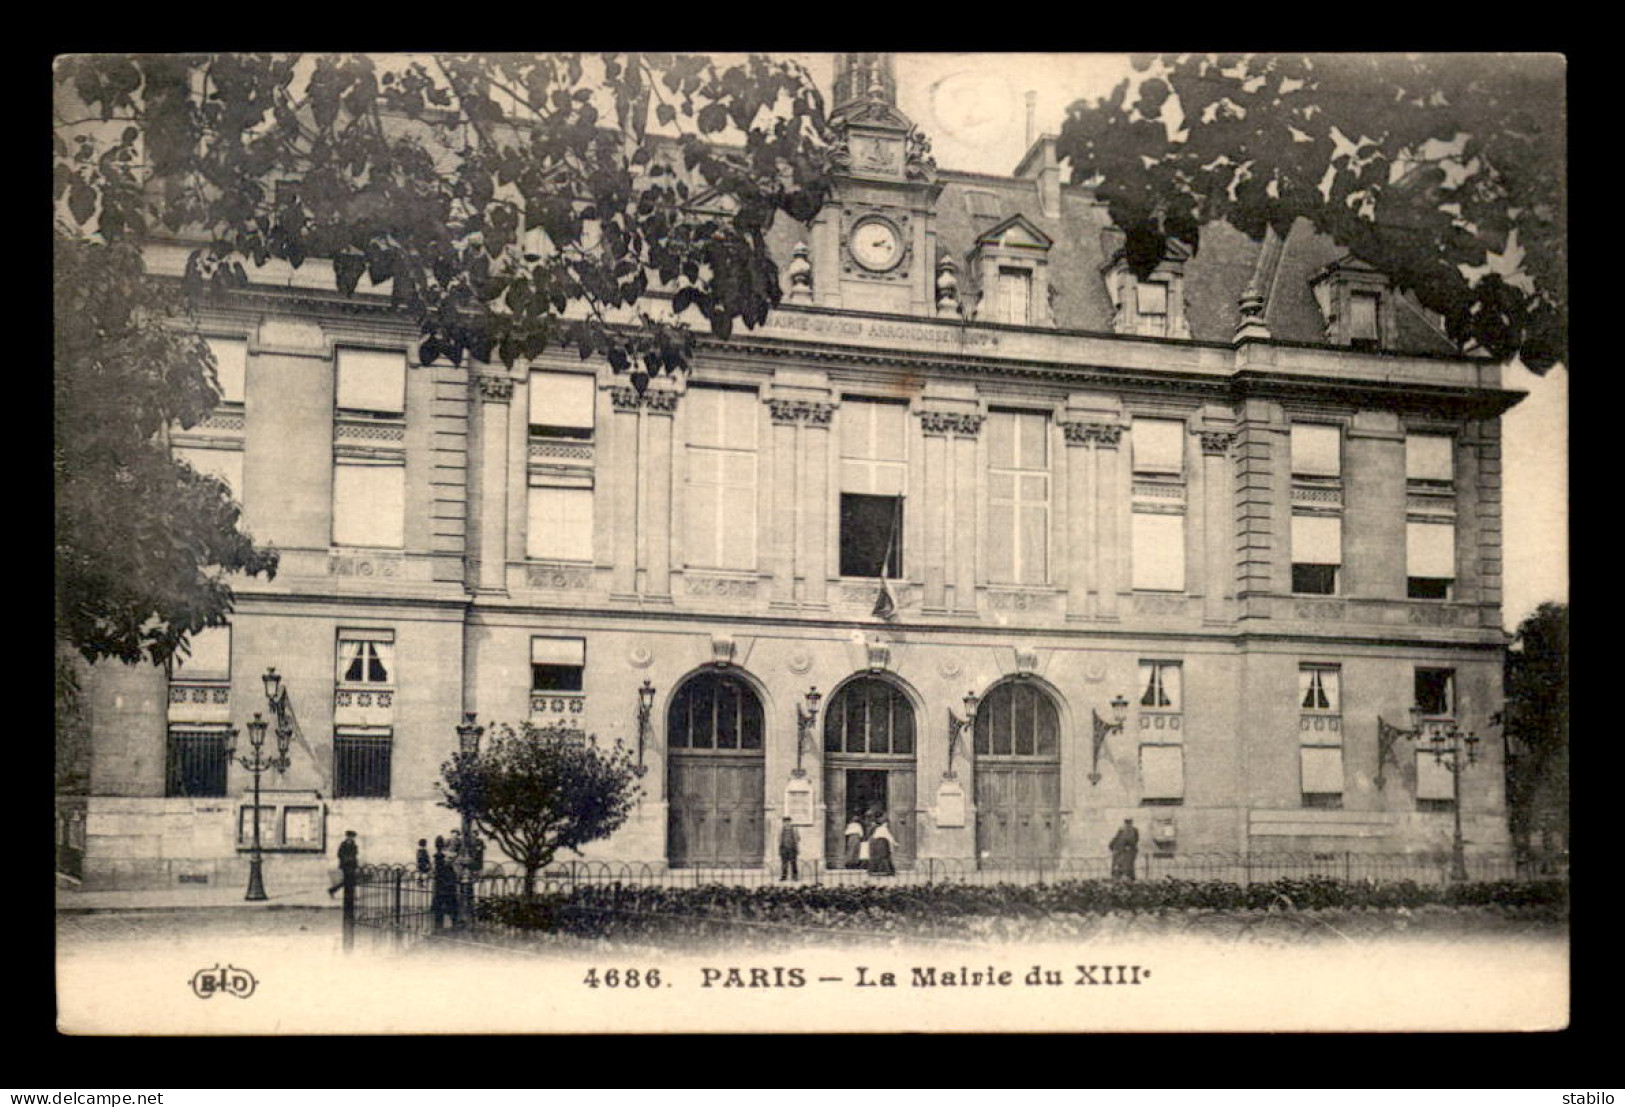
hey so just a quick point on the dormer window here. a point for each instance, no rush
(1153, 305)
(1015, 295)
(1011, 264)
(1354, 299)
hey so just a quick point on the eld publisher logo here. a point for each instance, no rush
(207, 983)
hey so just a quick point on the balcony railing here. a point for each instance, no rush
(555, 708)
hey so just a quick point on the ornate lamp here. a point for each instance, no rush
(957, 726)
(806, 716)
(646, 703)
(1103, 730)
(257, 762)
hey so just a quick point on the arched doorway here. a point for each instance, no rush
(1018, 775)
(714, 775)
(869, 764)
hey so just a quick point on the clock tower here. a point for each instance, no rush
(874, 244)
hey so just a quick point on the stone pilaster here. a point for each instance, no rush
(951, 496)
(492, 397)
(783, 539)
(1079, 566)
(660, 405)
(621, 470)
(1112, 506)
(1215, 498)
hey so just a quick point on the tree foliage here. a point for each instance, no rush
(1536, 723)
(512, 203)
(1445, 172)
(144, 543)
(536, 791)
(507, 203)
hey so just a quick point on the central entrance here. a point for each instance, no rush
(715, 781)
(869, 770)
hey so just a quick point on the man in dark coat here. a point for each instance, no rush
(1125, 847)
(444, 903)
(349, 861)
(789, 851)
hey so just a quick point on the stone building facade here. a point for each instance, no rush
(1254, 497)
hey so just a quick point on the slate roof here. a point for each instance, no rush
(1215, 277)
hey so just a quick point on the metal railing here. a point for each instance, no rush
(399, 901)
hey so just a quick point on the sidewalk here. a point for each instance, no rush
(72, 900)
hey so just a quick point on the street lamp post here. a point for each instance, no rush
(257, 761)
(957, 726)
(1103, 729)
(1454, 751)
(805, 718)
(468, 744)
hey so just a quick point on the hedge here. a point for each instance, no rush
(948, 908)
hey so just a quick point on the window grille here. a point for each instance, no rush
(196, 763)
(361, 765)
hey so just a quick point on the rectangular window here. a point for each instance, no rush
(366, 657)
(369, 503)
(230, 367)
(1364, 326)
(1162, 773)
(874, 478)
(361, 762)
(1319, 688)
(1430, 560)
(557, 664)
(1321, 769)
(1436, 692)
(871, 535)
(1018, 497)
(225, 465)
(372, 381)
(1434, 781)
(1317, 553)
(558, 524)
(1159, 685)
(1430, 458)
(1151, 305)
(720, 501)
(561, 404)
(209, 655)
(1158, 552)
(1317, 450)
(196, 762)
(1015, 295)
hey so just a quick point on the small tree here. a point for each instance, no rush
(1536, 719)
(538, 790)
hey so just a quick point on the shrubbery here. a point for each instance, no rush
(969, 910)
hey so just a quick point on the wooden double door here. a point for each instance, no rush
(859, 787)
(1018, 812)
(715, 810)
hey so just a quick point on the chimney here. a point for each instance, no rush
(1032, 110)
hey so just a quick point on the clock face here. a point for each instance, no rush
(876, 245)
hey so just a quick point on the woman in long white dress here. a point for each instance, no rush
(854, 842)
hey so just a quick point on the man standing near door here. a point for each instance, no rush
(1125, 847)
(789, 850)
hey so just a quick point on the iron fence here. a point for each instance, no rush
(397, 903)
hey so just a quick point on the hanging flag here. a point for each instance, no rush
(886, 602)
